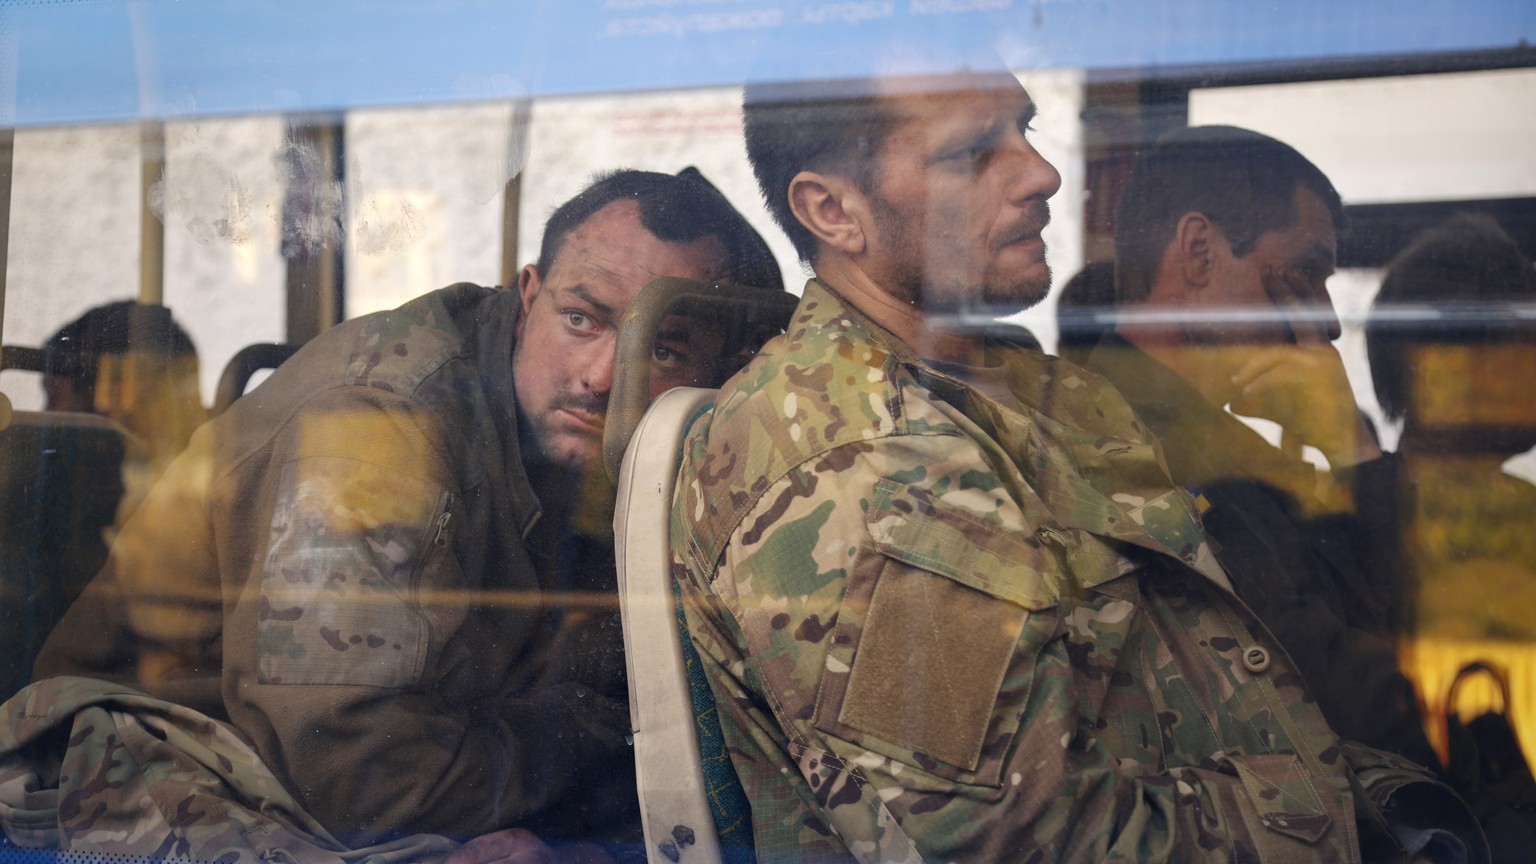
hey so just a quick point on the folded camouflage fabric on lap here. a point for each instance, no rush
(91, 766)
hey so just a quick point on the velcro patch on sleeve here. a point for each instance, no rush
(337, 604)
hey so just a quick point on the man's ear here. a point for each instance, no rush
(831, 207)
(1195, 239)
(528, 285)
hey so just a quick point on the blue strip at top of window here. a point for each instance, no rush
(69, 61)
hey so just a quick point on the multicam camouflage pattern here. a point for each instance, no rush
(943, 628)
(336, 606)
(96, 768)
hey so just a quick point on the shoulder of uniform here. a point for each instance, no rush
(828, 389)
(821, 384)
(396, 349)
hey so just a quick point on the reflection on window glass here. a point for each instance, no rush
(1100, 430)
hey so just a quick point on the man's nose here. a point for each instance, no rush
(1029, 175)
(1307, 312)
(597, 366)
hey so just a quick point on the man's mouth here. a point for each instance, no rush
(592, 423)
(1027, 232)
(1022, 239)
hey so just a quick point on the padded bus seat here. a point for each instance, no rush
(686, 790)
(60, 484)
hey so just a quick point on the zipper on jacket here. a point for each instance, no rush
(1053, 537)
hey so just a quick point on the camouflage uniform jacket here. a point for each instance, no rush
(342, 567)
(1317, 578)
(940, 629)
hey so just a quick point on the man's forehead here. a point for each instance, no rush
(1311, 208)
(621, 216)
(958, 81)
(930, 100)
(996, 83)
(1314, 221)
(612, 255)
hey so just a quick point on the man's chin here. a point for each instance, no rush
(1016, 298)
(1009, 297)
(570, 452)
(991, 296)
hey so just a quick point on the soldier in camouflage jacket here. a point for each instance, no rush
(303, 572)
(953, 609)
(369, 567)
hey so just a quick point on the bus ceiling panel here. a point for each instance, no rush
(71, 61)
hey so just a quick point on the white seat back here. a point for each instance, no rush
(673, 803)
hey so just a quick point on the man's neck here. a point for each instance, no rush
(1207, 368)
(900, 315)
(556, 485)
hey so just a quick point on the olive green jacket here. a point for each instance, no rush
(343, 567)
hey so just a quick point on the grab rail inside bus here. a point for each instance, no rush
(247, 362)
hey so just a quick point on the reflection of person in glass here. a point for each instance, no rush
(949, 603)
(367, 569)
(1453, 362)
(134, 364)
(1224, 238)
(1455, 367)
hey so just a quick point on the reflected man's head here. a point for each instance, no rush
(599, 249)
(73, 357)
(928, 186)
(1447, 345)
(1218, 216)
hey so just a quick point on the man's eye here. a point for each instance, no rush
(973, 159)
(975, 155)
(969, 158)
(1311, 274)
(578, 320)
(668, 356)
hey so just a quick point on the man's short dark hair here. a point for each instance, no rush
(813, 126)
(114, 328)
(678, 208)
(1465, 265)
(1243, 181)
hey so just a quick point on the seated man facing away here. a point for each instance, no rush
(134, 363)
(950, 604)
(1242, 228)
(81, 368)
(367, 569)
(1460, 385)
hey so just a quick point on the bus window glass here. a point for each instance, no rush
(1191, 333)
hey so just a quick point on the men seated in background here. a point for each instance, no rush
(1458, 378)
(67, 483)
(75, 355)
(367, 569)
(1224, 239)
(949, 602)
(133, 363)
(1453, 360)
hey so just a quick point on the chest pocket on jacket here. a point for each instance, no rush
(934, 649)
(338, 598)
